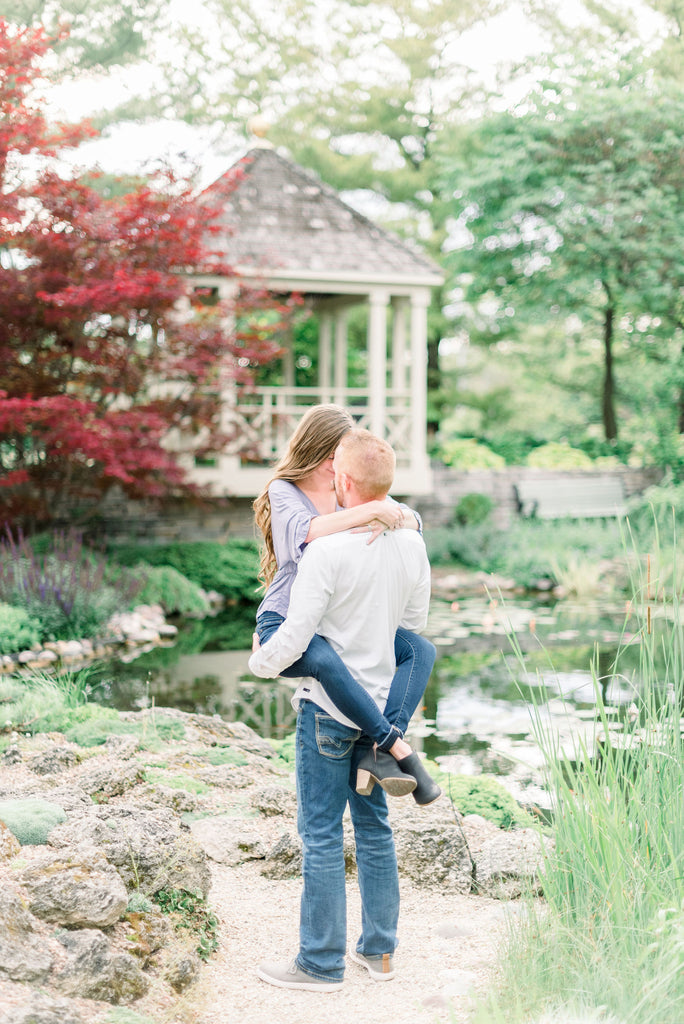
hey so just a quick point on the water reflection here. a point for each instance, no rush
(476, 715)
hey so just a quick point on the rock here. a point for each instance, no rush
(435, 854)
(95, 971)
(508, 864)
(12, 755)
(54, 760)
(24, 954)
(284, 860)
(148, 932)
(179, 800)
(183, 971)
(273, 800)
(108, 778)
(224, 842)
(149, 848)
(75, 889)
(35, 1007)
(9, 844)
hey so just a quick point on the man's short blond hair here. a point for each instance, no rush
(369, 461)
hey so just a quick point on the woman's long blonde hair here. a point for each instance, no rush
(315, 439)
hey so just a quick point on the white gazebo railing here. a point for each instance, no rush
(263, 420)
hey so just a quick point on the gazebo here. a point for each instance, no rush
(290, 233)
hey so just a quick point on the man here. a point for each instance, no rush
(354, 594)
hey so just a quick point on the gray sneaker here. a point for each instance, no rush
(380, 968)
(289, 975)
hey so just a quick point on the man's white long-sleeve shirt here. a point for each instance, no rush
(355, 595)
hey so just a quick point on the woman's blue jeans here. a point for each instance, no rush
(414, 656)
(327, 755)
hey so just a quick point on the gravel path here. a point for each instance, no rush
(447, 953)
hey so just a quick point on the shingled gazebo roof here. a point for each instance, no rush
(284, 222)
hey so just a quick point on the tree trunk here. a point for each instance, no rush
(609, 420)
(680, 403)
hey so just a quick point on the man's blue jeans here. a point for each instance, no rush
(414, 655)
(327, 754)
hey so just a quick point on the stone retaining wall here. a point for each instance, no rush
(234, 517)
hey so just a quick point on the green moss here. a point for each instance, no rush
(285, 748)
(484, 795)
(184, 782)
(94, 730)
(224, 755)
(31, 820)
(122, 1015)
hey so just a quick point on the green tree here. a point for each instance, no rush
(575, 212)
(101, 33)
(357, 92)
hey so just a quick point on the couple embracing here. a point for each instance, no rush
(348, 587)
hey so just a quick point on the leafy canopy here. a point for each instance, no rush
(111, 364)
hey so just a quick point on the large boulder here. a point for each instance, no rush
(24, 953)
(95, 971)
(76, 889)
(150, 849)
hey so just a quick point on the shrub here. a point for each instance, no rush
(467, 453)
(558, 455)
(475, 547)
(68, 588)
(657, 508)
(473, 509)
(484, 795)
(18, 630)
(31, 820)
(230, 569)
(167, 587)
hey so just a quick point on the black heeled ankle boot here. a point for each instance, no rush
(379, 766)
(426, 789)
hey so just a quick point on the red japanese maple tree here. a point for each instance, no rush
(106, 351)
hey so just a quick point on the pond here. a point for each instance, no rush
(477, 708)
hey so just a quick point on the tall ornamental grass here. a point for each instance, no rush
(606, 942)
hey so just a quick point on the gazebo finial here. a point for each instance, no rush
(259, 128)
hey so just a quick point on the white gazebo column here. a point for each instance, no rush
(325, 356)
(420, 300)
(288, 364)
(400, 307)
(340, 355)
(377, 360)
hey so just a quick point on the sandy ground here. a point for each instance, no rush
(447, 954)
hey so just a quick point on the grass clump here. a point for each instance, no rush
(31, 820)
(609, 935)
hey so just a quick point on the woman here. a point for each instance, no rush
(297, 506)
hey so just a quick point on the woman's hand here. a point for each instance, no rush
(387, 513)
(387, 517)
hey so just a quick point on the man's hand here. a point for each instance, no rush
(255, 643)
